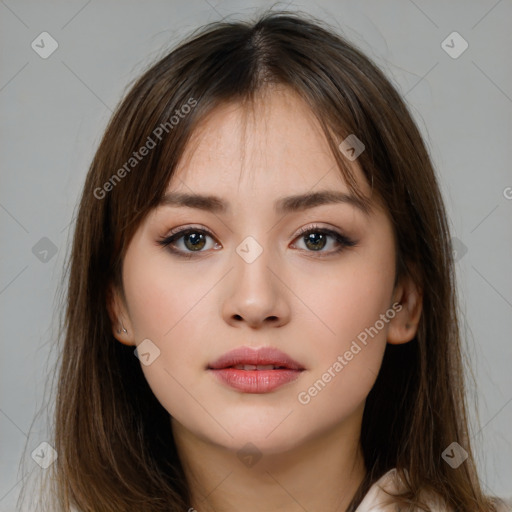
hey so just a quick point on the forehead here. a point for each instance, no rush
(275, 143)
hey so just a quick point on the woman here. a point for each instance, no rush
(262, 228)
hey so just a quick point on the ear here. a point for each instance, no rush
(404, 326)
(119, 317)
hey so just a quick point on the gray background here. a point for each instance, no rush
(54, 110)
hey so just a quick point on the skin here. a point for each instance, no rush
(310, 307)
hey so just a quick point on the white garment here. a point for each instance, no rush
(375, 499)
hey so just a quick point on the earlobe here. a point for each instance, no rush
(404, 326)
(119, 319)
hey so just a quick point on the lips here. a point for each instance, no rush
(255, 370)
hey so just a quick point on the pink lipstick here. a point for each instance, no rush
(255, 370)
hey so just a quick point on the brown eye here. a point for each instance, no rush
(194, 241)
(317, 238)
(315, 241)
(186, 242)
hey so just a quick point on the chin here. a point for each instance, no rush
(271, 436)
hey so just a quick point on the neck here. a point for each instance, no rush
(322, 473)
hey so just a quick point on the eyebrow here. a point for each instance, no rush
(282, 206)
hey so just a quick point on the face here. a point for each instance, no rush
(304, 290)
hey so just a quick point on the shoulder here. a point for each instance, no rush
(504, 506)
(377, 500)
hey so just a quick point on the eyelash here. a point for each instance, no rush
(342, 240)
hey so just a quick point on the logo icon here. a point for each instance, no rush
(44, 45)
(44, 250)
(351, 147)
(44, 455)
(454, 45)
(459, 250)
(454, 455)
(249, 249)
(147, 352)
(249, 455)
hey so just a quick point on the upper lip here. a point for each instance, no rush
(259, 356)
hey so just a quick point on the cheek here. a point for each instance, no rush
(160, 297)
(354, 311)
(347, 299)
(351, 304)
(169, 309)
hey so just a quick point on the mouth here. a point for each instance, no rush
(255, 370)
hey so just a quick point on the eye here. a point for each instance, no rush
(193, 240)
(187, 241)
(316, 239)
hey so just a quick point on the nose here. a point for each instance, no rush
(257, 294)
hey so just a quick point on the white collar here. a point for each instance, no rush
(376, 500)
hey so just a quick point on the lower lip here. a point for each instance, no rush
(256, 381)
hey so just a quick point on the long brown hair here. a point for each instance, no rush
(113, 438)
